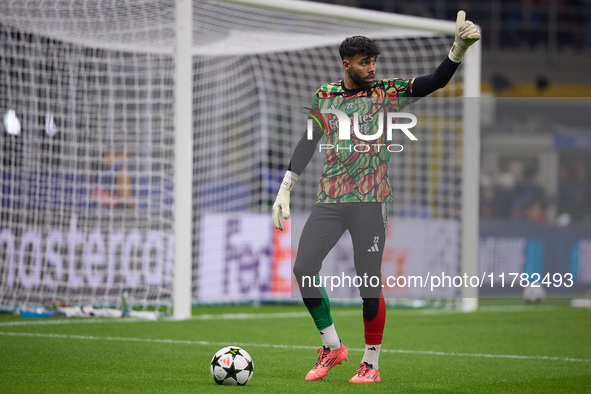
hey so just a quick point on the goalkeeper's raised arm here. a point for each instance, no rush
(466, 34)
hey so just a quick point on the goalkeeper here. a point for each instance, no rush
(354, 187)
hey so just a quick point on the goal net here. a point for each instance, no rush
(87, 193)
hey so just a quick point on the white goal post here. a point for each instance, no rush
(153, 132)
(183, 149)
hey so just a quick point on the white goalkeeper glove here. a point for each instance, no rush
(281, 205)
(467, 33)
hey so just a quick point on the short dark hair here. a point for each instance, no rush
(355, 45)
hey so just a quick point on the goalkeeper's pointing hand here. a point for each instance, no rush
(467, 33)
(281, 205)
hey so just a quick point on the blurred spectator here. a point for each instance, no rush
(574, 195)
(113, 187)
(529, 199)
(503, 195)
(534, 212)
(487, 197)
(515, 194)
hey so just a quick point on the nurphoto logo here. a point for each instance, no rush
(361, 125)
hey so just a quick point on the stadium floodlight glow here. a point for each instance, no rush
(11, 123)
(50, 127)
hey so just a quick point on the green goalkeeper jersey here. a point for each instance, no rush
(356, 170)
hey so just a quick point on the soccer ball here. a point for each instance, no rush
(534, 294)
(232, 366)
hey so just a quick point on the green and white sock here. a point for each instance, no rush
(330, 339)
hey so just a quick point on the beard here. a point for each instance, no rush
(360, 81)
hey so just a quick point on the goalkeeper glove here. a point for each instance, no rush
(466, 34)
(281, 205)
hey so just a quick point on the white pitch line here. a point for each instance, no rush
(272, 315)
(223, 316)
(275, 346)
(519, 308)
(75, 320)
(484, 355)
(246, 316)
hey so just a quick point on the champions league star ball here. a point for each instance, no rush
(231, 366)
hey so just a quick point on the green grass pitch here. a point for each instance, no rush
(505, 347)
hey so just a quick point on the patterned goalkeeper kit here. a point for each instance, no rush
(354, 187)
(355, 169)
